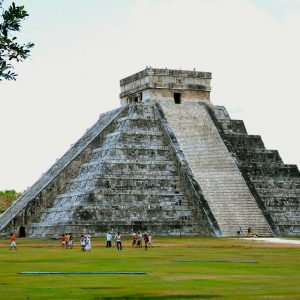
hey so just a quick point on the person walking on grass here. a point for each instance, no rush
(108, 240)
(71, 241)
(88, 243)
(13, 242)
(150, 239)
(118, 240)
(82, 243)
(63, 240)
(139, 243)
(146, 241)
(67, 240)
(134, 238)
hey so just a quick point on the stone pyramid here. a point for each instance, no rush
(166, 161)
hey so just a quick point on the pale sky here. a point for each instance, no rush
(84, 47)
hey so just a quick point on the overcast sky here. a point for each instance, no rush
(84, 47)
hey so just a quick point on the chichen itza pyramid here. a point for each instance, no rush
(167, 161)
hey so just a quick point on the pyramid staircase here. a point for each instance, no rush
(222, 184)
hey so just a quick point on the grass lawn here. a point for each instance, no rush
(230, 269)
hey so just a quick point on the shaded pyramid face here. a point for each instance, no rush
(130, 182)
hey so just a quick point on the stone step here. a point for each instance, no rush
(118, 162)
(122, 148)
(133, 147)
(143, 172)
(140, 133)
(148, 119)
(172, 179)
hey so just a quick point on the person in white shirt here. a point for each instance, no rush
(118, 241)
(88, 243)
(108, 240)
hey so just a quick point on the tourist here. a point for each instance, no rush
(134, 238)
(108, 240)
(250, 232)
(63, 240)
(88, 243)
(67, 240)
(13, 242)
(139, 240)
(82, 242)
(240, 232)
(118, 241)
(146, 240)
(70, 241)
(150, 239)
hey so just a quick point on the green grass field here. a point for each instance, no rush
(227, 270)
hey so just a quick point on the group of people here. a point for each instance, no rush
(67, 240)
(86, 244)
(248, 233)
(137, 240)
(118, 240)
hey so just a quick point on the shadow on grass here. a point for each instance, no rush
(99, 288)
(181, 297)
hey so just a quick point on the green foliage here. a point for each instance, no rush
(6, 199)
(10, 49)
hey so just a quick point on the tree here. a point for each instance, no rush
(10, 48)
(6, 199)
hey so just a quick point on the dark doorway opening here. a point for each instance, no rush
(177, 98)
(22, 232)
(136, 99)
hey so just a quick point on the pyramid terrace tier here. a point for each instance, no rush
(267, 182)
(146, 139)
(253, 155)
(113, 212)
(233, 126)
(270, 169)
(160, 168)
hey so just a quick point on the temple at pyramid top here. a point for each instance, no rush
(165, 84)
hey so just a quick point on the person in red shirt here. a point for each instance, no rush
(13, 242)
(146, 240)
(63, 240)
